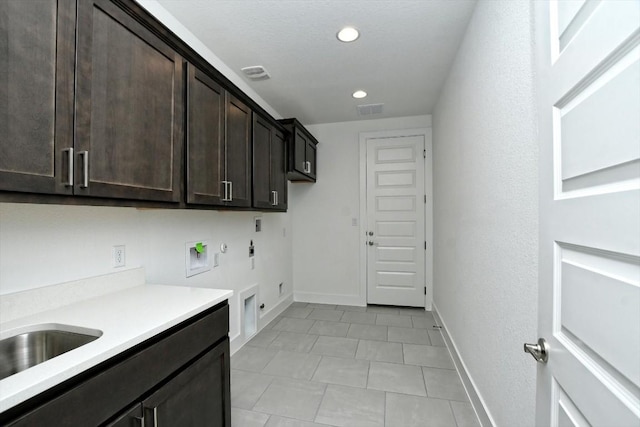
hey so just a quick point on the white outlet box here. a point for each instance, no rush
(197, 262)
(118, 256)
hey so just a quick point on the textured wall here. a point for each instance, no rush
(326, 259)
(485, 208)
(47, 244)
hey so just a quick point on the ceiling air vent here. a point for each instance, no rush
(367, 109)
(256, 72)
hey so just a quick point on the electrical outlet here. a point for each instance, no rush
(118, 256)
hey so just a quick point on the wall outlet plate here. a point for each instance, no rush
(118, 256)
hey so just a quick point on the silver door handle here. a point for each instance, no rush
(539, 351)
(85, 169)
(69, 152)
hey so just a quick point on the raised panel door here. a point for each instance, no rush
(197, 396)
(238, 152)
(279, 169)
(129, 108)
(37, 40)
(262, 140)
(205, 139)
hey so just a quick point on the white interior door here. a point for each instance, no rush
(395, 220)
(588, 65)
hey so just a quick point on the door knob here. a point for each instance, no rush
(371, 243)
(371, 233)
(539, 351)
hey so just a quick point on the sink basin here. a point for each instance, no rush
(29, 348)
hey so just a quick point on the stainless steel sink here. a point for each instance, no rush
(29, 348)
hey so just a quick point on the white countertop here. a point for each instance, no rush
(125, 318)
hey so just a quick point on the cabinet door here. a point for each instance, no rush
(129, 108)
(238, 149)
(310, 154)
(131, 417)
(36, 94)
(279, 169)
(262, 187)
(205, 140)
(299, 151)
(198, 396)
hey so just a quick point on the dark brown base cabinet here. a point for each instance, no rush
(302, 151)
(179, 378)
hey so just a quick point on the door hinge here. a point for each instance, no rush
(424, 153)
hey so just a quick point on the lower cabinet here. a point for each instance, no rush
(180, 378)
(194, 397)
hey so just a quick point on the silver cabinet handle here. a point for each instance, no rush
(274, 198)
(539, 351)
(277, 199)
(141, 419)
(85, 169)
(230, 191)
(308, 167)
(69, 152)
(226, 197)
(155, 416)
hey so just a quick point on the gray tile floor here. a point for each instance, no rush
(327, 365)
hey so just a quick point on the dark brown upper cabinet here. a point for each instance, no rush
(302, 152)
(129, 108)
(269, 166)
(36, 94)
(218, 144)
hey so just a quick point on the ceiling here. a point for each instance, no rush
(401, 59)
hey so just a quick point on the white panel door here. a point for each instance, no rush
(588, 66)
(395, 221)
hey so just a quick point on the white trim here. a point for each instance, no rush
(318, 298)
(478, 403)
(428, 209)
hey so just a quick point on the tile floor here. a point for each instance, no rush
(327, 365)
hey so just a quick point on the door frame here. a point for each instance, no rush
(428, 208)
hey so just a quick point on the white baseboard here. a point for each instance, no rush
(478, 403)
(318, 298)
(264, 319)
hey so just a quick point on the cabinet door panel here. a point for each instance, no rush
(299, 152)
(311, 158)
(262, 187)
(36, 93)
(130, 418)
(238, 149)
(129, 108)
(198, 396)
(205, 142)
(279, 168)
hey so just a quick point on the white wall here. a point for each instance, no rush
(47, 244)
(326, 261)
(485, 208)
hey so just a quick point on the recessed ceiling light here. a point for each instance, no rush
(348, 34)
(359, 94)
